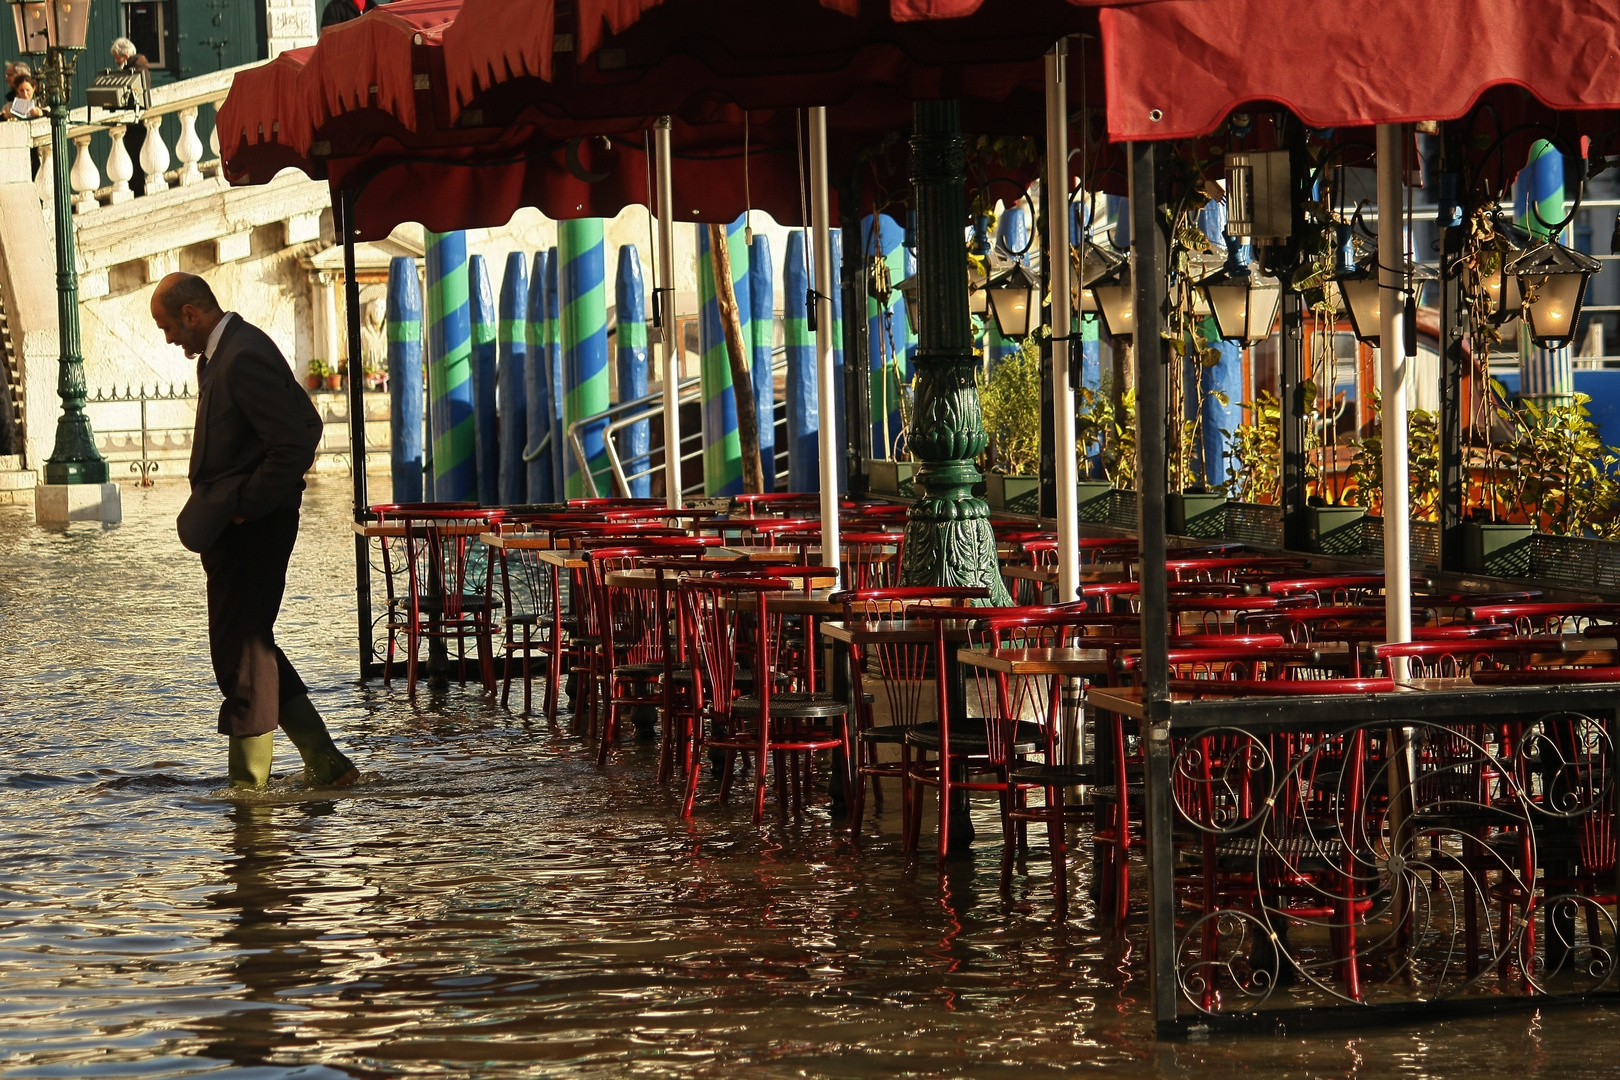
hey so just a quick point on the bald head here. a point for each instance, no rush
(185, 309)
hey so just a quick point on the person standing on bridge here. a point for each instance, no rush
(256, 436)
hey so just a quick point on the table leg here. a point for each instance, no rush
(960, 828)
(841, 784)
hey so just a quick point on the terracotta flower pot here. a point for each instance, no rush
(313, 382)
(334, 382)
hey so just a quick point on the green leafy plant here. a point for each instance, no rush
(319, 369)
(1555, 472)
(1423, 466)
(1107, 437)
(1010, 404)
(1253, 454)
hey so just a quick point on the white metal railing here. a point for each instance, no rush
(182, 99)
(621, 416)
(645, 409)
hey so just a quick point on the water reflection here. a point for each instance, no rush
(491, 903)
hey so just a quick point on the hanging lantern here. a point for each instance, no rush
(1244, 304)
(1014, 297)
(1552, 279)
(1502, 293)
(46, 24)
(1117, 302)
(1361, 298)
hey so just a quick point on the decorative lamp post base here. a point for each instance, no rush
(61, 504)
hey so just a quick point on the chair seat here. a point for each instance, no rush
(891, 734)
(793, 704)
(471, 603)
(970, 737)
(640, 672)
(1056, 775)
(1135, 793)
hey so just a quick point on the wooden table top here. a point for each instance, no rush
(397, 528)
(1037, 661)
(895, 631)
(797, 602)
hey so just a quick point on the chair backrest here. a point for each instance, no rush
(892, 601)
(447, 566)
(724, 618)
(871, 559)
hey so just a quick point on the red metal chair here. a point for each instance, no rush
(728, 617)
(895, 672)
(450, 591)
(634, 625)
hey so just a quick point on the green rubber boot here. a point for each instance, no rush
(248, 762)
(324, 763)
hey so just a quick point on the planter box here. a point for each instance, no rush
(1256, 524)
(1197, 515)
(1423, 541)
(892, 477)
(1122, 514)
(1334, 530)
(1580, 561)
(1096, 499)
(1013, 494)
(1496, 548)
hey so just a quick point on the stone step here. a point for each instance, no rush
(17, 480)
(18, 497)
(10, 462)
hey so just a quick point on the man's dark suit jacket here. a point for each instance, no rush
(256, 437)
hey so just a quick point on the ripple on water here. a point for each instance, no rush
(488, 903)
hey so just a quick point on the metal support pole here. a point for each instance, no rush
(820, 209)
(74, 458)
(1150, 254)
(1291, 396)
(1057, 269)
(851, 274)
(948, 537)
(343, 213)
(1453, 366)
(1392, 139)
(665, 291)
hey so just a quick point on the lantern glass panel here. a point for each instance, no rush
(1362, 297)
(1265, 298)
(1229, 301)
(1118, 307)
(72, 22)
(1556, 301)
(33, 25)
(978, 301)
(1011, 302)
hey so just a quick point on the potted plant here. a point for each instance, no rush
(1010, 403)
(334, 379)
(1097, 436)
(317, 374)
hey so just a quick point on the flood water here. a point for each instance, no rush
(489, 903)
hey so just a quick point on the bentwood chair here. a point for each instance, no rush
(897, 671)
(728, 617)
(450, 591)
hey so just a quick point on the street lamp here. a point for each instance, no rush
(1014, 297)
(1117, 302)
(57, 29)
(1363, 298)
(1552, 279)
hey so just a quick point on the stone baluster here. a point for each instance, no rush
(84, 176)
(213, 132)
(43, 180)
(120, 169)
(188, 148)
(154, 156)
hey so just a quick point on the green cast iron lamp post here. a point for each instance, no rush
(56, 29)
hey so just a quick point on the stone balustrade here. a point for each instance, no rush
(160, 167)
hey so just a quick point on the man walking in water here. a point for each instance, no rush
(256, 437)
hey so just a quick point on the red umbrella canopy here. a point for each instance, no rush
(1349, 62)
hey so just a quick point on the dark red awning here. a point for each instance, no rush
(1177, 68)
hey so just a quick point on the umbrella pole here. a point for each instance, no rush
(666, 307)
(1057, 268)
(822, 238)
(344, 218)
(1392, 361)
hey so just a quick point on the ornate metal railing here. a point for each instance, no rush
(1345, 853)
(173, 441)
